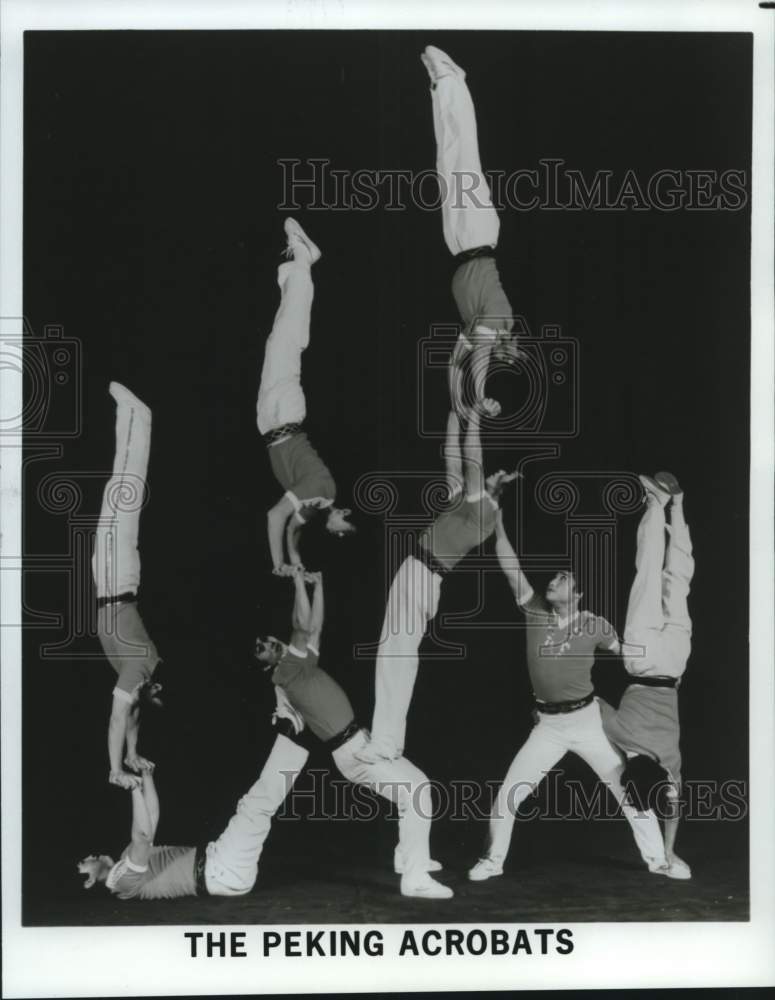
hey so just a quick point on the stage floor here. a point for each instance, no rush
(564, 873)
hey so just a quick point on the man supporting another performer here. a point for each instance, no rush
(657, 644)
(561, 645)
(323, 705)
(228, 866)
(116, 570)
(309, 487)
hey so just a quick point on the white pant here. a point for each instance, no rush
(280, 395)
(400, 782)
(232, 860)
(658, 628)
(412, 603)
(468, 216)
(116, 559)
(552, 737)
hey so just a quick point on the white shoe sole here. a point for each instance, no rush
(673, 871)
(294, 232)
(434, 866)
(433, 892)
(121, 394)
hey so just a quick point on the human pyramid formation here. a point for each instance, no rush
(561, 638)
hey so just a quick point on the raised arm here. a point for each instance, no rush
(276, 520)
(301, 617)
(117, 738)
(453, 457)
(473, 469)
(292, 532)
(133, 760)
(145, 818)
(318, 611)
(509, 562)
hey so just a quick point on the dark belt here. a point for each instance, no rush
(283, 431)
(200, 860)
(561, 707)
(127, 597)
(466, 255)
(655, 682)
(341, 738)
(429, 559)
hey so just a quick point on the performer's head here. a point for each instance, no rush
(150, 694)
(337, 522)
(562, 592)
(269, 651)
(96, 867)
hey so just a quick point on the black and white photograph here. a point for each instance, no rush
(387, 498)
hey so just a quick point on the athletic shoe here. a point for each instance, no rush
(399, 866)
(123, 395)
(667, 481)
(484, 869)
(652, 488)
(426, 888)
(299, 241)
(671, 870)
(679, 868)
(439, 64)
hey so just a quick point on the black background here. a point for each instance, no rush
(152, 234)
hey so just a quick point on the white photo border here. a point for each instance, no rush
(67, 962)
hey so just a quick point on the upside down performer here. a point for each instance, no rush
(228, 866)
(116, 569)
(281, 409)
(657, 645)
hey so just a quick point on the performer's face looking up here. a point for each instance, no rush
(97, 868)
(562, 589)
(337, 522)
(269, 650)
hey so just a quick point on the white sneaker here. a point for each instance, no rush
(399, 864)
(426, 888)
(652, 488)
(679, 867)
(124, 396)
(484, 869)
(439, 64)
(300, 246)
(680, 871)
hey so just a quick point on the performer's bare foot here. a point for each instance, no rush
(439, 64)
(300, 246)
